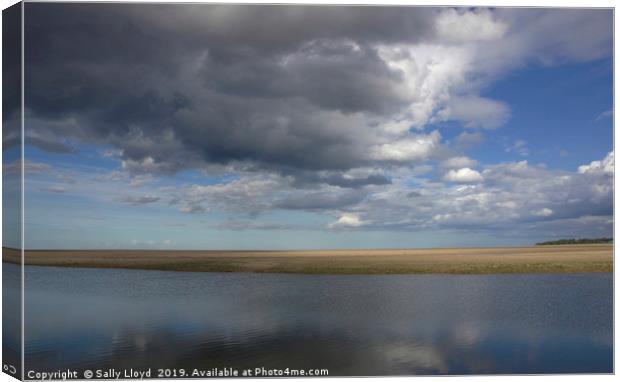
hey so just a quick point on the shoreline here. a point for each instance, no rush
(497, 260)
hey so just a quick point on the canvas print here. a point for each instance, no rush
(253, 190)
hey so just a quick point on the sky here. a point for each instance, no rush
(310, 127)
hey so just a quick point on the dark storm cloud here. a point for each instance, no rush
(11, 137)
(11, 63)
(49, 146)
(313, 179)
(330, 74)
(11, 78)
(285, 88)
(181, 85)
(340, 181)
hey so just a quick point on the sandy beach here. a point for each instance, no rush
(536, 259)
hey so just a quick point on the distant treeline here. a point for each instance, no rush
(602, 240)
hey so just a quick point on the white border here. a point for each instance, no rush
(23, 180)
(523, 3)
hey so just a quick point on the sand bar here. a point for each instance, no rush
(537, 259)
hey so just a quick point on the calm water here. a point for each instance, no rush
(351, 325)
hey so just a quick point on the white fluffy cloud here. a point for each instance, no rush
(458, 162)
(514, 194)
(606, 165)
(456, 26)
(463, 175)
(432, 73)
(347, 220)
(411, 148)
(443, 77)
(248, 194)
(544, 212)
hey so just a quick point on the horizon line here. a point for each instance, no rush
(285, 250)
